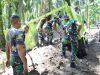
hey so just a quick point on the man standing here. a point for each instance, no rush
(15, 48)
(47, 29)
(71, 29)
(39, 35)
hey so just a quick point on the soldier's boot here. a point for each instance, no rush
(64, 50)
(72, 65)
(73, 55)
(50, 40)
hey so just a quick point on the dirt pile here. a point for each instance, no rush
(48, 61)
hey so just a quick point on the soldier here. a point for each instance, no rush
(47, 29)
(58, 27)
(39, 35)
(15, 48)
(71, 29)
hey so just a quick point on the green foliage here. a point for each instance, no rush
(2, 39)
(94, 10)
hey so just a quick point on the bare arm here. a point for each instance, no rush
(7, 52)
(54, 26)
(39, 24)
(7, 48)
(22, 56)
(21, 51)
(79, 26)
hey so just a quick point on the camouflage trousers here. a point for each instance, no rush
(73, 41)
(41, 36)
(45, 37)
(49, 37)
(17, 65)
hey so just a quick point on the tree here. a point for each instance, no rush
(2, 37)
(9, 14)
(68, 1)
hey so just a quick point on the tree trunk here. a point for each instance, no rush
(2, 37)
(45, 7)
(21, 10)
(87, 15)
(9, 14)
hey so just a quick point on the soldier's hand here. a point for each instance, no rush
(78, 33)
(25, 71)
(7, 63)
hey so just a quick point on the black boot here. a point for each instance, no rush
(64, 50)
(64, 54)
(72, 65)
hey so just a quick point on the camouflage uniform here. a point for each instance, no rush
(14, 37)
(70, 38)
(47, 27)
(41, 36)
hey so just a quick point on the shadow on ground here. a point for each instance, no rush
(93, 52)
(34, 72)
(92, 59)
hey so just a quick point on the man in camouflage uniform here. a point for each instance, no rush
(39, 35)
(72, 29)
(57, 23)
(47, 29)
(15, 51)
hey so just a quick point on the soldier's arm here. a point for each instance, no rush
(7, 52)
(22, 56)
(38, 26)
(21, 52)
(79, 26)
(54, 26)
(7, 48)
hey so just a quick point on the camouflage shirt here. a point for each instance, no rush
(70, 26)
(14, 37)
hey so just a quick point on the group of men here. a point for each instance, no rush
(71, 30)
(15, 46)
